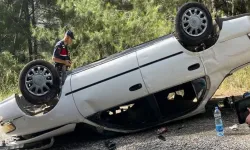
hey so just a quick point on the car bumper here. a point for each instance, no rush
(9, 112)
(9, 109)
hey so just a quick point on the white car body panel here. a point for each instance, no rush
(65, 112)
(114, 91)
(234, 28)
(107, 85)
(104, 71)
(228, 54)
(168, 72)
(10, 104)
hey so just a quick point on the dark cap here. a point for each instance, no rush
(70, 34)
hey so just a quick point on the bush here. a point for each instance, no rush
(9, 72)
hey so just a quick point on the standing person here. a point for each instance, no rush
(61, 56)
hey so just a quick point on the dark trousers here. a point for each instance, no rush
(62, 71)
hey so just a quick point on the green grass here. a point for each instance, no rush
(6, 94)
(9, 73)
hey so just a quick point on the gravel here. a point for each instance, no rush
(193, 133)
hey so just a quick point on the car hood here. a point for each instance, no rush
(9, 109)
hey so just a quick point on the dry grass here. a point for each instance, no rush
(236, 84)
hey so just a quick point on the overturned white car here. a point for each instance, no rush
(163, 80)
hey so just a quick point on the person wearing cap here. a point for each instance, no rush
(61, 56)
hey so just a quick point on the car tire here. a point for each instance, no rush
(193, 24)
(39, 82)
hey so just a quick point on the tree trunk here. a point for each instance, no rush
(34, 24)
(16, 35)
(227, 9)
(244, 6)
(27, 27)
(233, 7)
(213, 7)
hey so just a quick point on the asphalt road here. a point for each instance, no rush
(197, 132)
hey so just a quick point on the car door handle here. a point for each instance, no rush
(135, 87)
(194, 67)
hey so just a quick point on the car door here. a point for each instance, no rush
(114, 82)
(167, 63)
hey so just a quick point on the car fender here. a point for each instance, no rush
(9, 109)
(65, 112)
(234, 27)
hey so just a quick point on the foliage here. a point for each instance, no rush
(10, 69)
(29, 29)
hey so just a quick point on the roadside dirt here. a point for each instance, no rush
(220, 93)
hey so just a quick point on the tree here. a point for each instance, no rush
(29, 29)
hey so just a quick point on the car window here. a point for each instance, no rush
(142, 112)
(181, 98)
(133, 115)
(200, 86)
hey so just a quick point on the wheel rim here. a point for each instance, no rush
(38, 80)
(194, 21)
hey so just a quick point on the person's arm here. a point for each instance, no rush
(248, 117)
(65, 62)
(58, 60)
